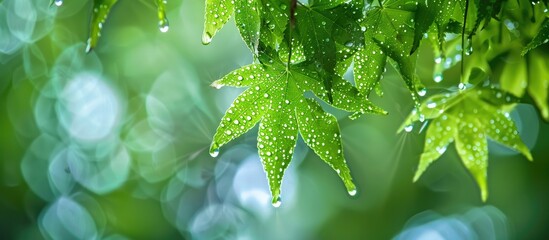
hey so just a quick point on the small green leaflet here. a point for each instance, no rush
(274, 98)
(100, 13)
(467, 118)
(538, 83)
(101, 9)
(541, 38)
(529, 73)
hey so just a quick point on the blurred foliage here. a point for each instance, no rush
(114, 144)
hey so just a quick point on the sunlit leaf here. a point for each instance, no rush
(468, 119)
(538, 82)
(275, 99)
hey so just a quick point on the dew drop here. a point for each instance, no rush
(438, 59)
(163, 25)
(438, 77)
(352, 192)
(422, 92)
(58, 3)
(214, 152)
(206, 38)
(421, 117)
(409, 128)
(431, 105)
(461, 86)
(441, 150)
(277, 202)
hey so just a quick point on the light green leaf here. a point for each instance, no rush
(248, 21)
(217, 14)
(538, 83)
(472, 147)
(439, 135)
(101, 9)
(468, 119)
(514, 76)
(321, 133)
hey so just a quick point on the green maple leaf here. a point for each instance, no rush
(389, 31)
(324, 26)
(467, 118)
(274, 98)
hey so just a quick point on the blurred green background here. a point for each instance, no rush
(113, 145)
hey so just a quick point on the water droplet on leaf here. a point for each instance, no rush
(163, 25)
(422, 92)
(277, 202)
(214, 152)
(352, 192)
(438, 77)
(58, 3)
(409, 128)
(206, 38)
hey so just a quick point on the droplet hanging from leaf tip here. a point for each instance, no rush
(409, 128)
(214, 150)
(89, 46)
(163, 25)
(277, 202)
(422, 92)
(352, 192)
(438, 77)
(206, 38)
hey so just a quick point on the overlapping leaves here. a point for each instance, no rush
(309, 47)
(467, 118)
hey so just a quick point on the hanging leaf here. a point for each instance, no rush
(467, 119)
(275, 99)
(538, 82)
(101, 10)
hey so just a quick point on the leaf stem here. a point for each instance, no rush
(463, 39)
